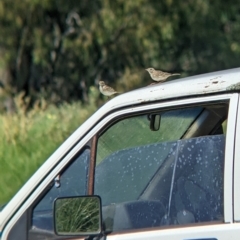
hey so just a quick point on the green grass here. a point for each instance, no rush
(77, 215)
(28, 139)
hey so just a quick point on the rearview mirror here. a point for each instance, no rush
(155, 120)
(78, 215)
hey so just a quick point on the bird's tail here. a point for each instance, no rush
(175, 74)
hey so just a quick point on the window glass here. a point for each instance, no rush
(135, 131)
(170, 176)
(71, 182)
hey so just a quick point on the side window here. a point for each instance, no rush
(169, 175)
(71, 182)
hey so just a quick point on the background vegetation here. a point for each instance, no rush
(28, 138)
(58, 49)
(54, 52)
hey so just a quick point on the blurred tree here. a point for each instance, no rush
(57, 49)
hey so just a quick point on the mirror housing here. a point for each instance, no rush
(80, 216)
(155, 120)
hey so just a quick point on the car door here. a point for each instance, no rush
(172, 182)
(162, 170)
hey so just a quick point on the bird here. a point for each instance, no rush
(158, 75)
(105, 89)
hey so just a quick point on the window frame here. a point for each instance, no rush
(229, 144)
(236, 171)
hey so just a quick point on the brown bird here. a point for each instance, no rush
(159, 76)
(105, 89)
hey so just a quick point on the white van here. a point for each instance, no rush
(160, 162)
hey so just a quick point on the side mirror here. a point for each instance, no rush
(78, 216)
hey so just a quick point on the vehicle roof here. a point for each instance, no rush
(221, 81)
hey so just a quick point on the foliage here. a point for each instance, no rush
(77, 215)
(59, 49)
(27, 139)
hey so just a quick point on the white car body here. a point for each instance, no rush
(202, 88)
